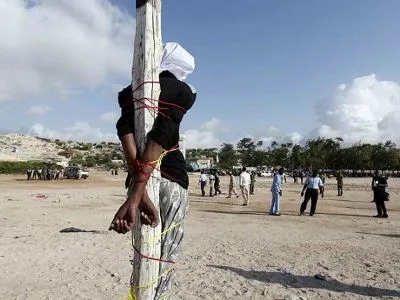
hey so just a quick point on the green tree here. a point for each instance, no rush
(227, 157)
(297, 157)
(246, 148)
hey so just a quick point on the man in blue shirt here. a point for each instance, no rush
(276, 190)
(312, 184)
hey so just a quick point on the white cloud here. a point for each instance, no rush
(80, 131)
(367, 110)
(57, 46)
(39, 110)
(273, 129)
(109, 117)
(294, 138)
(206, 136)
(213, 125)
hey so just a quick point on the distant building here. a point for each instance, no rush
(202, 164)
(182, 145)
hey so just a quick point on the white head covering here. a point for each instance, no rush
(177, 60)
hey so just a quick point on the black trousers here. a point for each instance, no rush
(313, 195)
(217, 189)
(340, 190)
(203, 186)
(380, 204)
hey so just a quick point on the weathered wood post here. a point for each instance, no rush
(146, 63)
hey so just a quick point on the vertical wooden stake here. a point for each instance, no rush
(146, 63)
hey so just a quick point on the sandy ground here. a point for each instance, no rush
(230, 251)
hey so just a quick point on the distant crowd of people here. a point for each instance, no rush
(44, 174)
(246, 183)
(313, 187)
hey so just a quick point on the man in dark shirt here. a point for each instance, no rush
(217, 181)
(176, 98)
(379, 184)
(339, 183)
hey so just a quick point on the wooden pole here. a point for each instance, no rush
(146, 63)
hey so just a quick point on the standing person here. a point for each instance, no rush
(276, 190)
(252, 182)
(301, 176)
(339, 182)
(217, 183)
(374, 184)
(323, 177)
(211, 180)
(312, 184)
(244, 183)
(177, 98)
(232, 185)
(28, 174)
(294, 177)
(35, 172)
(57, 177)
(379, 184)
(203, 182)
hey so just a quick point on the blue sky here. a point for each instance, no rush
(260, 65)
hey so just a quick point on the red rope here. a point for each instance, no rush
(153, 107)
(139, 164)
(152, 258)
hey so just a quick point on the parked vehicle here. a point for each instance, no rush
(265, 174)
(73, 172)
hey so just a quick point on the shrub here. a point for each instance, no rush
(20, 167)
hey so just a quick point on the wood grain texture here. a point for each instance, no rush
(146, 62)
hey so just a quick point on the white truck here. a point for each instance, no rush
(73, 172)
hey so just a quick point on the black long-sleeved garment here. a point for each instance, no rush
(176, 98)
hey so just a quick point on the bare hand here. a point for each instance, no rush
(125, 218)
(148, 212)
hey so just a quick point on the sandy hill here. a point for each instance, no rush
(16, 147)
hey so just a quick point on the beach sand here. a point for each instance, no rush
(229, 251)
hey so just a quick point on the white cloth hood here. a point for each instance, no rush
(177, 60)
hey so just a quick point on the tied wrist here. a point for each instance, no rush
(142, 171)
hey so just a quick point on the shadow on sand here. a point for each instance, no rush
(207, 195)
(343, 200)
(390, 235)
(288, 213)
(297, 281)
(260, 213)
(211, 202)
(343, 215)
